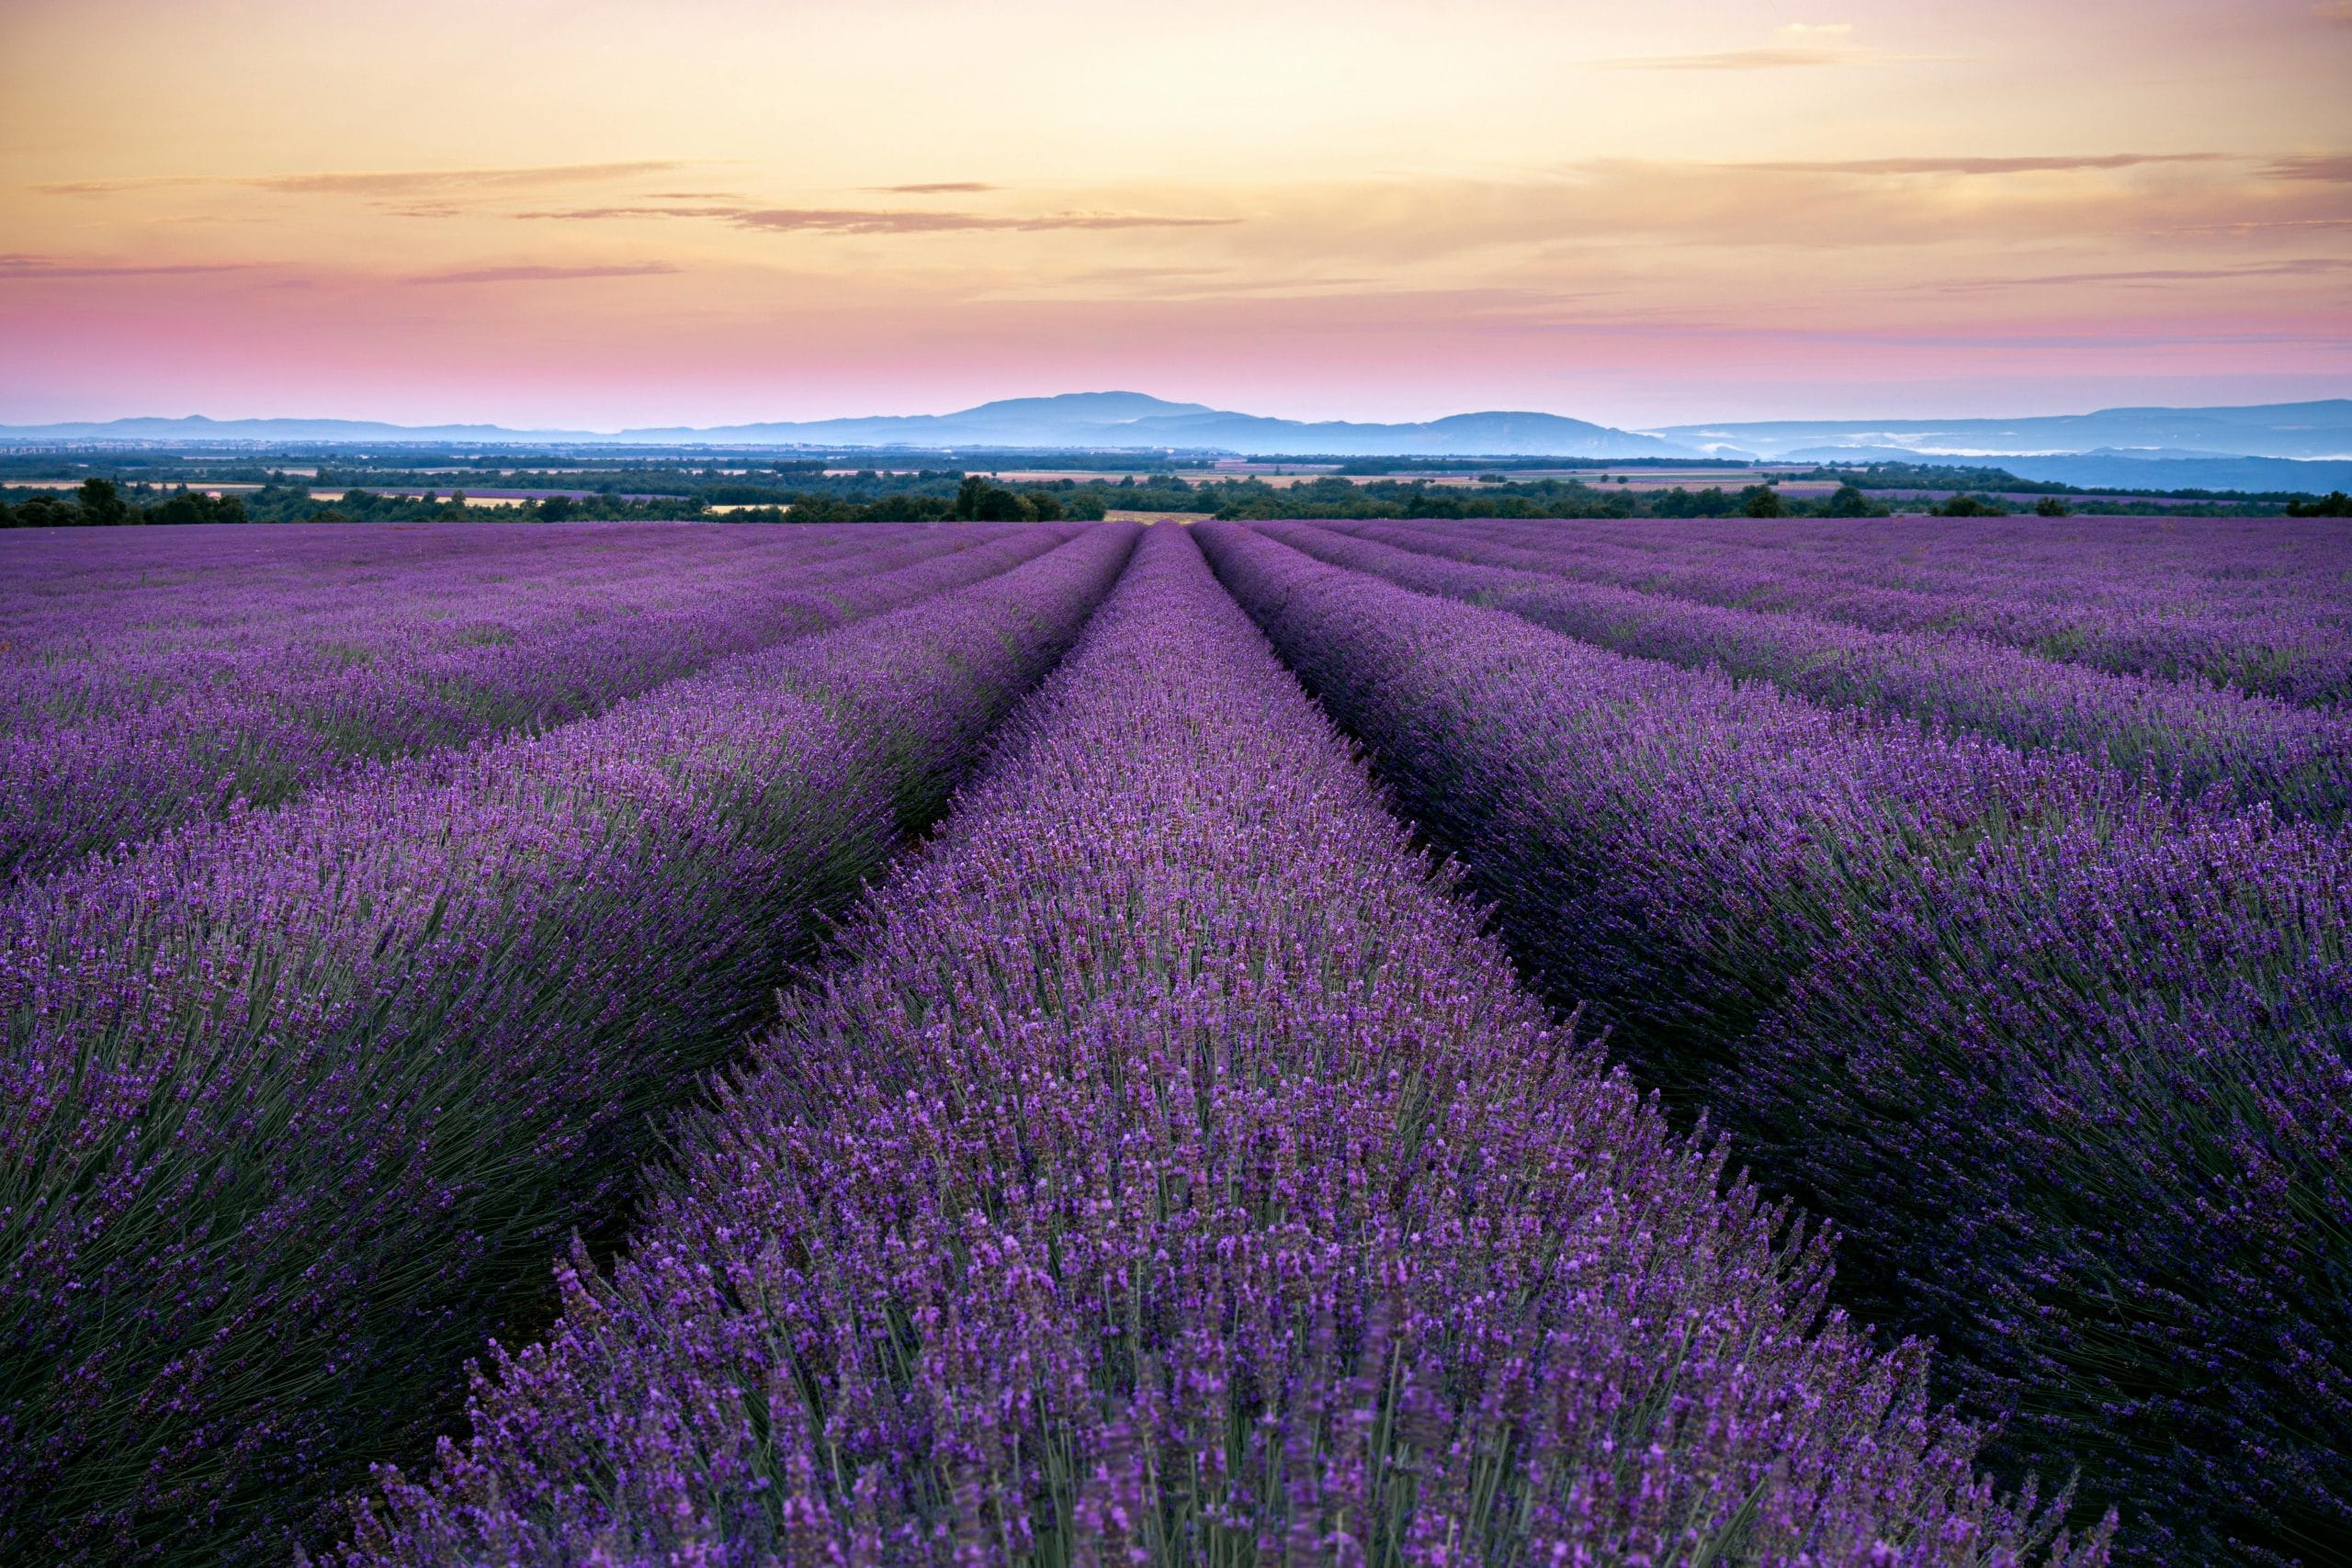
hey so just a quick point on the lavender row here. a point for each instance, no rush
(2192, 739)
(93, 643)
(1173, 1175)
(294, 1111)
(79, 600)
(2226, 564)
(2291, 641)
(2228, 569)
(282, 707)
(2070, 1065)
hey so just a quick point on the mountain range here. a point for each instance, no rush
(2314, 430)
(2273, 445)
(1104, 420)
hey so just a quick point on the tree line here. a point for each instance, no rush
(100, 504)
(948, 496)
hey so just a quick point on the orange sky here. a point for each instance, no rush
(601, 215)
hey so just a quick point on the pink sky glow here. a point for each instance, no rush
(597, 215)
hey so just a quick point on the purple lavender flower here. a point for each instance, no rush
(147, 682)
(2254, 604)
(296, 1106)
(2193, 736)
(2068, 1062)
(1171, 1173)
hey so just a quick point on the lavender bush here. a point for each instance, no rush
(124, 710)
(2258, 603)
(2069, 1062)
(2195, 738)
(1173, 1175)
(295, 1108)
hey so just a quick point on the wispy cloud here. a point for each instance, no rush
(2333, 11)
(887, 221)
(541, 274)
(386, 181)
(28, 267)
(414, 181)
(1796, 45)
(884, 220)
(2335, 168)
(2301, 266)
(642, 209)
(1981, 166)
(935, 187)
(2246, 226)
(1593, 217)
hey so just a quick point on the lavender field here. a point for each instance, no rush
(1796, 1042)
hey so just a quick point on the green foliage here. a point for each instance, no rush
(1935, 476)
(742, 495)
(101, 503)
(1762, 500)
(195, 506)
(1964, 505)
(1849, 501)
(978, 500)
(904, 509)
(2050, 506)
(2335, 504)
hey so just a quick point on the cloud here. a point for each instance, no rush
(539, 274)
(1736, 60)
(2333, 11)
(1796, 45)
(853, 220)
(2301, 266)
(857, 221)
(2334, 168)
(2245, 226)
(1980, 166)
(413, 182)
(937, 187)
(387, 182)
(28, 267)
(591, 214)
(884, 220)
(1602, 220)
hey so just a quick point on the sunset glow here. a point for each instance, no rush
(598, 214)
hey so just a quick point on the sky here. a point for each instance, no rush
(599, 215)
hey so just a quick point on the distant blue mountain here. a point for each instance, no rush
(2316, 430)
(1132, 420)
(2269, 446)
(1104, 420)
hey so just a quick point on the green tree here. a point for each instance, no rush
(195, 506)
(2050, 506)
(1762, 500)
(101, 503)
(967, 496)
(557, 508)
(1848, 501)
(998, 504)
(2334, 505)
